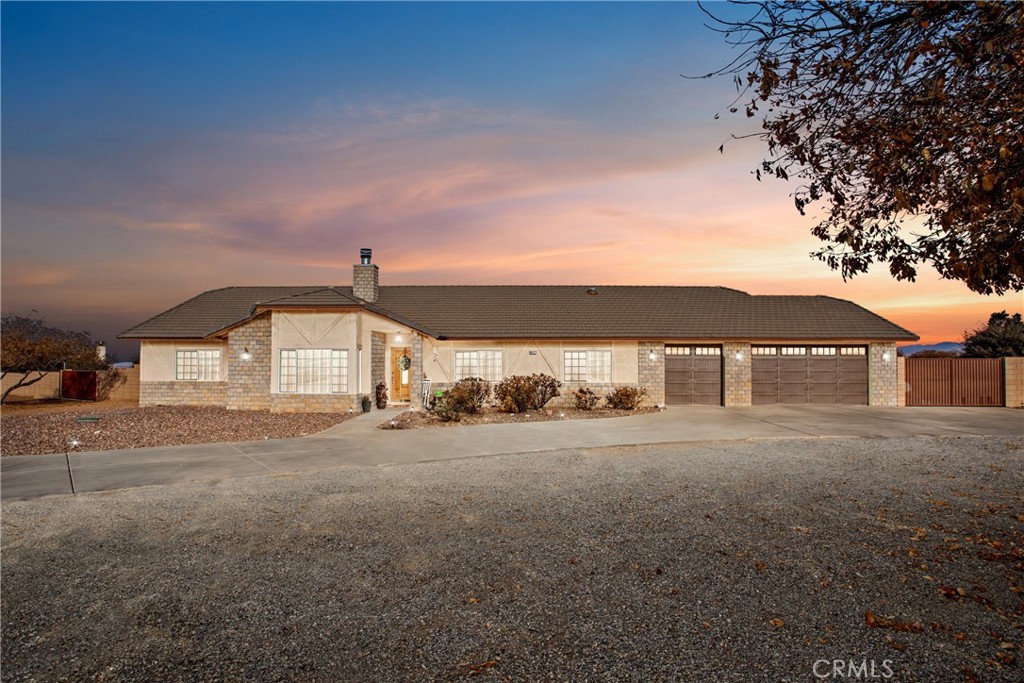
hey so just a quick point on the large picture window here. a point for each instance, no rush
(483, 364)
(314, 371)
(201, 365)
(594, 367)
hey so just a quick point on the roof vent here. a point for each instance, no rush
(592, 291)
(365, 255)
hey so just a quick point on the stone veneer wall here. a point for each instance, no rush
(365, 278)
(652, 372)
(883, 380)
(901, 381)
(416, 372)
(182, 393)
(736, 374)
(315, 403)
(249, 381)
(1013, 369)
(378, 347)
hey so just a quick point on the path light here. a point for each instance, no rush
(246, 356)
(73, 444)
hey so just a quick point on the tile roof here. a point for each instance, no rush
(548, 312)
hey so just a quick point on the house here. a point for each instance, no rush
(320, 348)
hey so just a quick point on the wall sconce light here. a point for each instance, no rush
(653, 355)
(739, 355)
(886, 356)
(246, 356)
(398, 337)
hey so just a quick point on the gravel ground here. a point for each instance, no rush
(50, 431)
(738, 561)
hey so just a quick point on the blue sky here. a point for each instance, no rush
(155, 150)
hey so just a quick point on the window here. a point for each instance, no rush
(588, 366)
(483, 364)
(677, 350)
(762, 351)
(851, 351)
(202, 365)
(823, 350)
(314, 371)
(707, 351)
(794, 350)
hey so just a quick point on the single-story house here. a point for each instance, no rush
(321, 348)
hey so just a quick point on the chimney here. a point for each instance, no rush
(101, 351)
(365, 277)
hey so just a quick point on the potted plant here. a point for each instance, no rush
(367, 404)
(382, 396)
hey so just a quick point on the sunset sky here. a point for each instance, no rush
(154, 151)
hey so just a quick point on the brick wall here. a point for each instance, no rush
(1014, 382)
(182, 393)
(736, 374)
(249, 380)
(652, 371)
(883, 382)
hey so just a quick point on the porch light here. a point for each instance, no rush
(652, 356)
(398, 337)
(246, 356)
(886, 356)
(739, 355)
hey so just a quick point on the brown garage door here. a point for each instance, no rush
(693, 375)
(809, 374)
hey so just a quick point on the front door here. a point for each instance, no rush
(401, 370)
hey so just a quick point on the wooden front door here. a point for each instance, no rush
(400, 378)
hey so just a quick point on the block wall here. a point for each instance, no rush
(249, 380)
(901, 381)
(365, 280)
(315, 403)
(378, 348)
(736, 374)
(416, 372)
(883, 381)
(651, 371)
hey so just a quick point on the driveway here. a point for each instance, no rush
(358, 443)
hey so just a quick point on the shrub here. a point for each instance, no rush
(519, 393)
(625, 398)
(585, 398)
(467, 396)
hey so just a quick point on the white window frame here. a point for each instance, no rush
(852, 351)
(197, 365)
(591, 366)
(764, 351)
(313, 371)
(483, 363)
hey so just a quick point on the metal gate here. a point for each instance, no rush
(79, 385)
(693, 375)
(955, 382)
(809, 375)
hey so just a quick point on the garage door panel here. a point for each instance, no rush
(692, 379)
(821, 375)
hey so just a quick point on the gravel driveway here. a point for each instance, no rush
(739, 561)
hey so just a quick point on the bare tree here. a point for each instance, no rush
(906, 120)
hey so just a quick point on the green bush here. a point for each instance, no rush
(519, 393)
(467, 396)
(625, 398)
(586, 399)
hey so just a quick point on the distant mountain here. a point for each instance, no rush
(911, 349)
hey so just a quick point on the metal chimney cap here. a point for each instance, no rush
(592, 291)
(365, 255)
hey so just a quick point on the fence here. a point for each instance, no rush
(955, 382)
(49, 387)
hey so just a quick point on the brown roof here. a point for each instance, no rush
(548, 312)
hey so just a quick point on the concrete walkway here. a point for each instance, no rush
(357, 442)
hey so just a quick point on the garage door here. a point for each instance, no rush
(693, 375)
(809, 374)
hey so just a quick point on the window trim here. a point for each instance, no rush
(283, 387)
(588, 366)
(202, 368)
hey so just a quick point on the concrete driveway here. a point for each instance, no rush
(357, 443)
